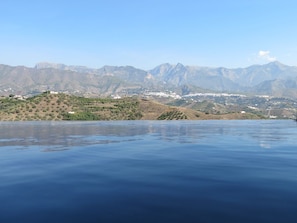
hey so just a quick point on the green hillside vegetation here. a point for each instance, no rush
(67, 107)
(172, 115)
(60, 106)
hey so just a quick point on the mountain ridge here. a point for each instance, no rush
(128, 80)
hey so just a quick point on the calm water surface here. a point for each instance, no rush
(148, 171)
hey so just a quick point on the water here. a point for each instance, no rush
(148, 171)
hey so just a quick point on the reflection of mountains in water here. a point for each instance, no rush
(51, 136)
(65, 134)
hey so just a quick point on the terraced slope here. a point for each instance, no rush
(57, 107)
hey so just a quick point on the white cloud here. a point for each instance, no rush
(265, 55)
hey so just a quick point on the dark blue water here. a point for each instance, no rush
(134, 171)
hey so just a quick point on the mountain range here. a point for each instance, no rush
(275, 79)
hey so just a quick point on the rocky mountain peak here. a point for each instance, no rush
(113, 79)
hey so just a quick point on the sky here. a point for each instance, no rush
(147, 33)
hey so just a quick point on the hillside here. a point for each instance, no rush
(60, 106)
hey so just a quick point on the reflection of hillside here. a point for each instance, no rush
(61, 133)
(69, 134)
(181, 131)
(268, 135)
(65, 135)
(223, 132)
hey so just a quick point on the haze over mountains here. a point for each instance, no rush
(273, 79)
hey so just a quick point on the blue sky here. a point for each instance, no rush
(146, 33)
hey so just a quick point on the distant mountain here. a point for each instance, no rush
(278, 87)
(255, 78)
(23, 80)
(229, 78)
(81, 69)
(203, 77)
(256, 74)
(272, 78)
